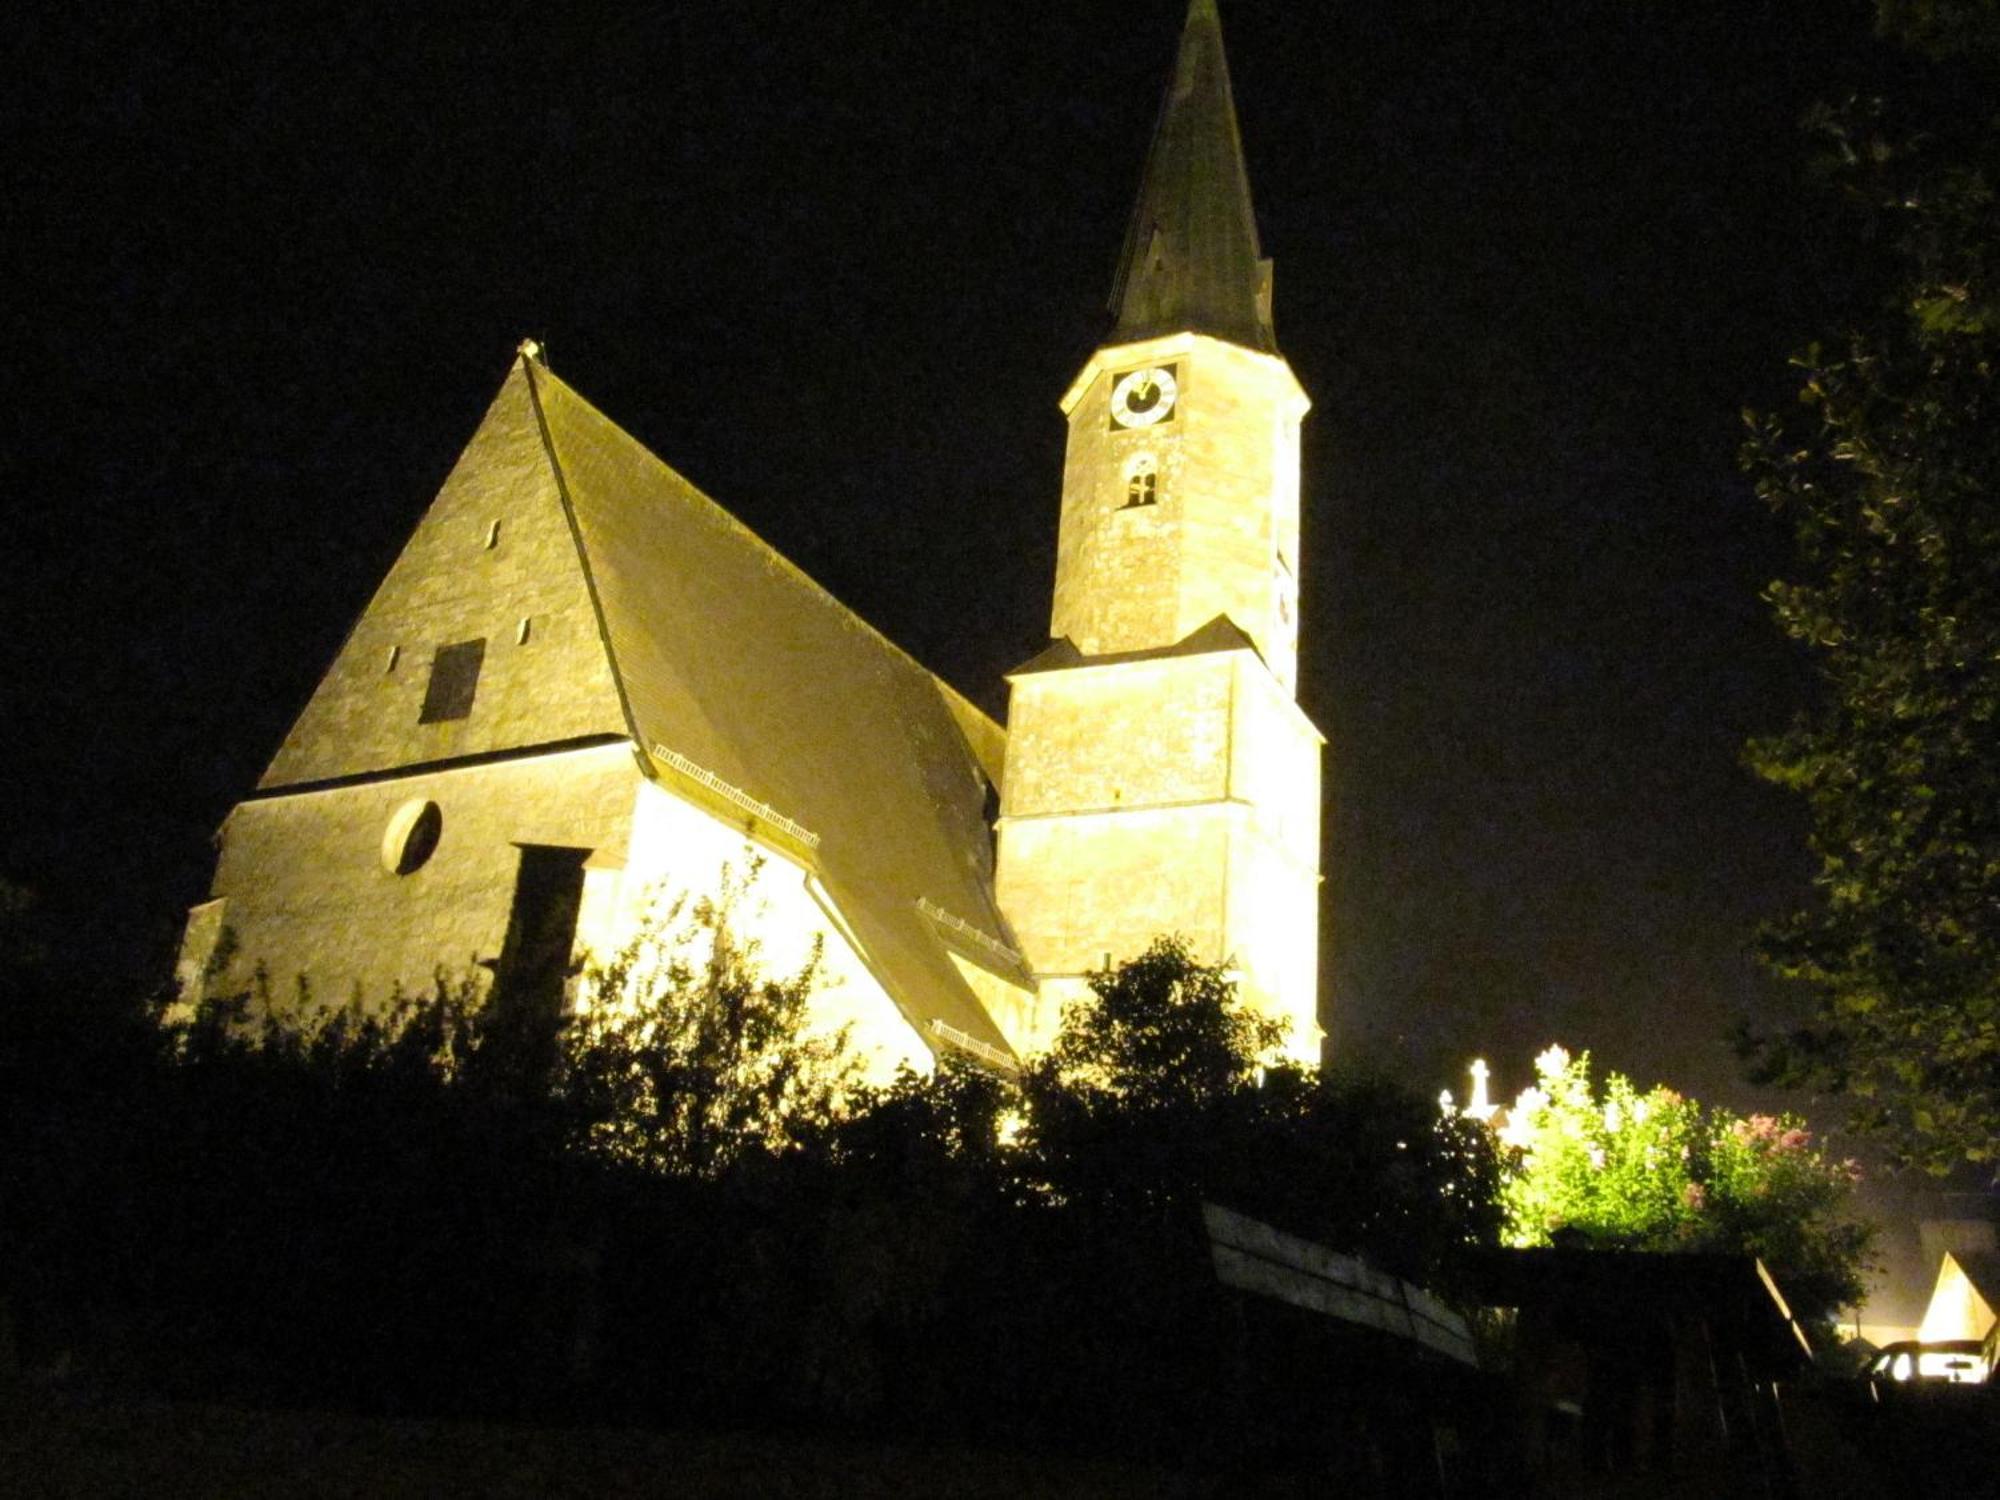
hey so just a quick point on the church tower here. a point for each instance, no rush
(1161, 778)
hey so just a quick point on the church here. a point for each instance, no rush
(584, 688)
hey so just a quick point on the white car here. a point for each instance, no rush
(1952, 1361)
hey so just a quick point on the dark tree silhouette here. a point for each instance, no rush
(1890, 477)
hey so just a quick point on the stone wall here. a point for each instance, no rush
(1222, 536)
(680, 852)
(493, 560)
(306, 891)
(1169, 796)
(304, 888)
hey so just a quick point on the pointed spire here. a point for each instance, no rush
(1191, 260)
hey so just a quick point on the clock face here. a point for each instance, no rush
(1144, 397)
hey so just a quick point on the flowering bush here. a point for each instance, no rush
(1656, 1171)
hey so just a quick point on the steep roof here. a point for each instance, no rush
(1191, 260)
(736, 667)
(1965, 1296)
(493, 549)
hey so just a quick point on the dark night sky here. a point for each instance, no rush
(836, 263)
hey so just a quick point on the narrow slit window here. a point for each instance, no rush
(395, 655)
(524, 631)
(454, 681)
(492, 536)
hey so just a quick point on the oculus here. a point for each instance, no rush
(411, 837)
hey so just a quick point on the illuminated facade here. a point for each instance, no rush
(583, 684)
(1160, 776)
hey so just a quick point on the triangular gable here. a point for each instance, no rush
(493, 560)
(745, 677)
(1966, 1298)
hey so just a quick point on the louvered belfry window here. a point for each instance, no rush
(454, 680)
(1142, 482)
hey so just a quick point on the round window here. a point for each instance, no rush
(411, 836)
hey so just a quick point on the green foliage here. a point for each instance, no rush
(918, 1201)
(1890, 477)
(684, 1055)
(1618, 1170)
(1127, 1109)
(377, 1207)
(1156, 1095)
(431, 1035)
(1159, 1031)
(929, 1128)
(1655, 1171)
(680, 1056)
(1356, 1160)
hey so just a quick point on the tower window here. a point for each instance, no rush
(454, 680)
(1142, 482)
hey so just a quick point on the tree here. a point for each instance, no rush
(684, 1054)
(1158, 1031)
(1126, 1109)
(1655, 1171)
(1158, 1092)
(1890, 478)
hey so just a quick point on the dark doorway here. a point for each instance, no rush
(526, 1009)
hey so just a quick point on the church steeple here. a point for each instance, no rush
(1160, 774)
(1191, 261)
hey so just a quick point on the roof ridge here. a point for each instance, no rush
(527, 357)
(729, 519)
(736, 662)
